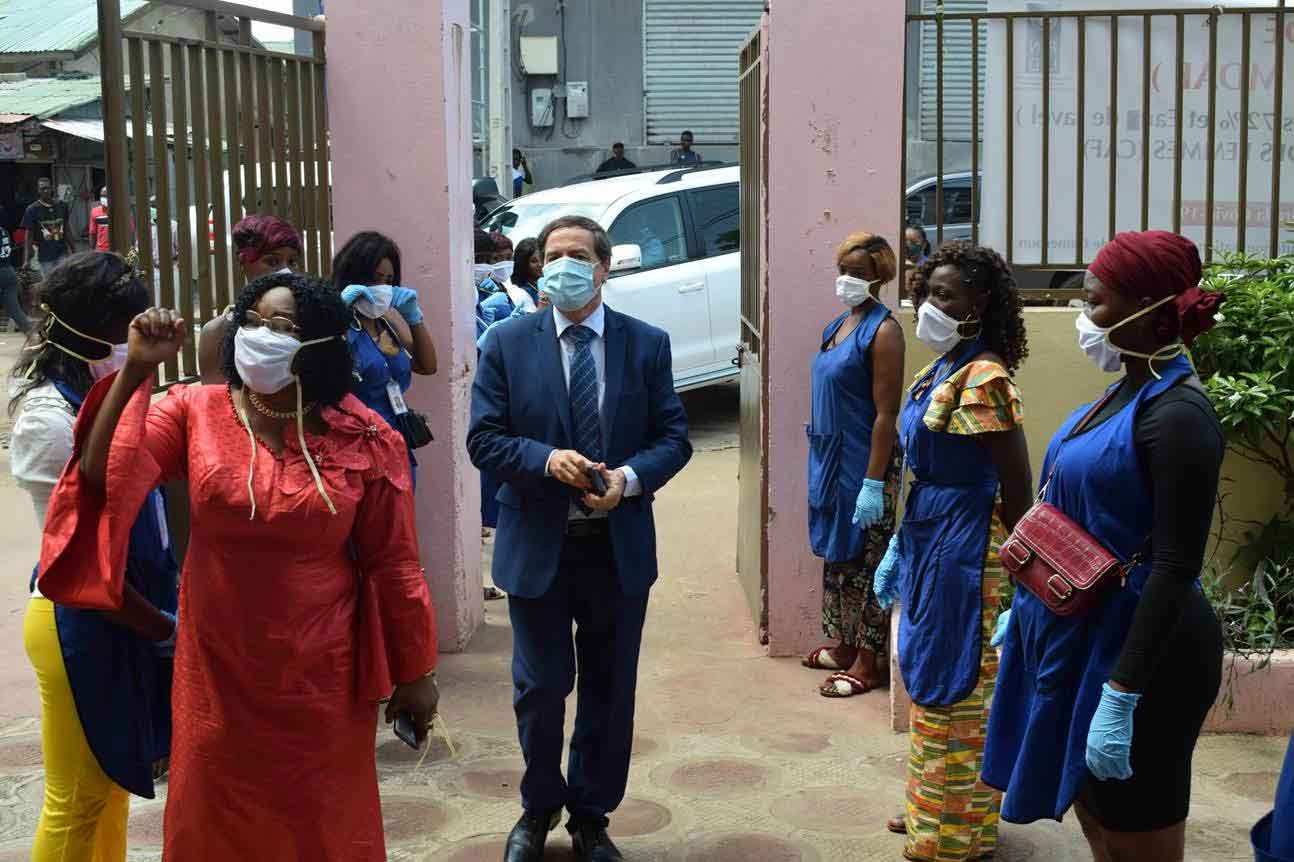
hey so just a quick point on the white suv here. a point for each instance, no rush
(675, 261)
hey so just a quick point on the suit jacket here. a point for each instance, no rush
(521, 413)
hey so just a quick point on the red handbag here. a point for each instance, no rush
(1060, 563)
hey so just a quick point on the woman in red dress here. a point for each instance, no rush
(302, 599)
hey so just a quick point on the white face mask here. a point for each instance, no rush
(1095, 342)
(104, 201)
(101, 368)
(937, 330)
(853, 292)
(1092, 341)
(381, 303)
(264, 357)
(287, 270)
(502, 271)
(482, 271)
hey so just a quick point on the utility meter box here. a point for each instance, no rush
(577, 99)
(539, 55)
(541, 108)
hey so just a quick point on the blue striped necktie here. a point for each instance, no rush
(583, 389)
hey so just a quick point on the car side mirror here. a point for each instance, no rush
(626, 258)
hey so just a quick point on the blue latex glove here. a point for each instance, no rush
(166, 648)
(405, 301)
(870, 506)
(885, 581)
(1109, 740)
(357, 291)
(999, 633)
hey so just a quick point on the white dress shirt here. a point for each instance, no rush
(597, 321)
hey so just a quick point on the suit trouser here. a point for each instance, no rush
(608, 633)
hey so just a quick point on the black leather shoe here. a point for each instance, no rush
(526, 841)
(593, 844)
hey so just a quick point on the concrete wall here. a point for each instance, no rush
(604, 46)
(1055, 379)
(420, 195)
(833, 167)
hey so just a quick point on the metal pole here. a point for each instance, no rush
(113, 90)
(499, 34)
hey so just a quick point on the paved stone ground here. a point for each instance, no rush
(737, 758)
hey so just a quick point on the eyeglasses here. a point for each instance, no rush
(281, 325)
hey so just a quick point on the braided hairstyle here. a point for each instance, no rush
(95, 292)
(325, 371)
(983, 270)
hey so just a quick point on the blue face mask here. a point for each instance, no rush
(568, 283)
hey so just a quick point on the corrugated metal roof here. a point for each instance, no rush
(46, 97)
(37, 26)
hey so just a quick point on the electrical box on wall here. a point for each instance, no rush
(577, 99)
(539, 55)
(541, 108)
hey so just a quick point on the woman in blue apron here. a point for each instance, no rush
(963, 441)
(1102, 711)
(105, 680)
(857, 382)
(1273, 836)
(387, 336)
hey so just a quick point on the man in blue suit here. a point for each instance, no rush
(574, 391)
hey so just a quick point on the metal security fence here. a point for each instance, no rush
(217, 130)
(1097, 120)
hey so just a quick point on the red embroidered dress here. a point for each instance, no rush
(291, 624)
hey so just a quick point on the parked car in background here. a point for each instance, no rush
(962, 196)
(675, 259)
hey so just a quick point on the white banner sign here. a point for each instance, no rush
(1127, 127)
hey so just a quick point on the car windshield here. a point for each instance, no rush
(525, 221)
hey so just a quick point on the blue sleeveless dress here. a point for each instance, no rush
(942, 545)
(840, 436)
(122, 688)
(1052, 667)
(374, 370)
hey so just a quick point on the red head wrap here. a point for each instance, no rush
(1154, 264)
(258, 234)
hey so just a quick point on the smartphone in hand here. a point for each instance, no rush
(404, 730)
(595, 479)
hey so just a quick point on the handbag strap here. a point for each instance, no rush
(1078, 429)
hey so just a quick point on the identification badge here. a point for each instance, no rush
(396, 398)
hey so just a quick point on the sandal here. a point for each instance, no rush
(898, 824)
(821, 659)
(843, 684)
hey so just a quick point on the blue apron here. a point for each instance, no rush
(840, 436)
(942, 542)
(1052, 670)
(1273, 836)
(121, 687)
(373, 371)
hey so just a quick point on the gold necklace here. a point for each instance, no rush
(284, 415)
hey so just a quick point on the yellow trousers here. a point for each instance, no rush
(84, 815)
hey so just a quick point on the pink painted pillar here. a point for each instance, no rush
(398, 101)
(833, 161)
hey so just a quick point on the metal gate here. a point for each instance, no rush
(218, 130)
(752, 477)
(1100, 120)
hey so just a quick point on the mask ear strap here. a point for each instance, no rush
(305, 450)
(251, 466)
